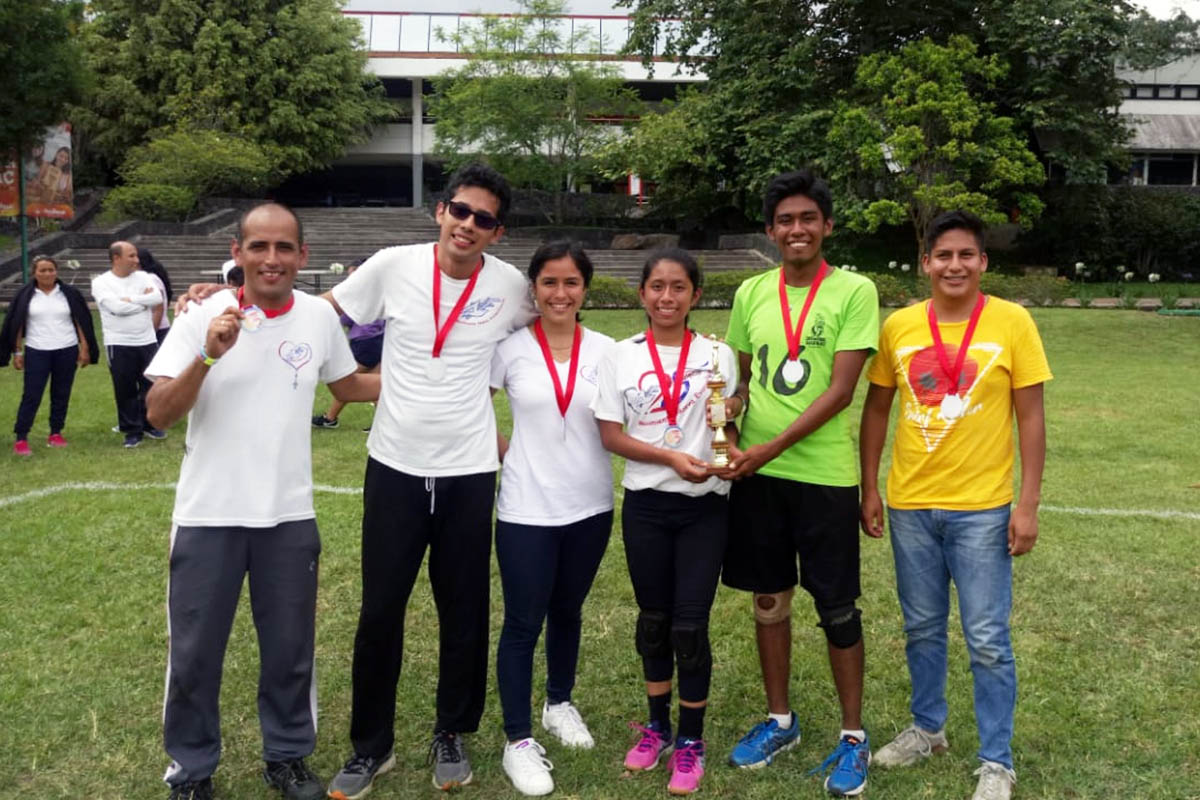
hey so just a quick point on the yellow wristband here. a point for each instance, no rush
(206, 359)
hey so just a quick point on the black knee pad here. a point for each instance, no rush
(653, 634)
(691, 646)
(843, 626)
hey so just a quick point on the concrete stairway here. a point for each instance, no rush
(344, 234)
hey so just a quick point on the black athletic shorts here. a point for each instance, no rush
(367, 352)
(772, 521)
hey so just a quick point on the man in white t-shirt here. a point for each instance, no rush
(126, 296)
(431, 471)
(244, 367)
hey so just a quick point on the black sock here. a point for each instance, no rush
(691, 722)
(660, 711)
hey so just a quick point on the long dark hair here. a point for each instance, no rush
(150, 264)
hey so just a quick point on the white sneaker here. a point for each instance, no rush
(563, 721)
(909, 747)
(995, 782)
(527, 767)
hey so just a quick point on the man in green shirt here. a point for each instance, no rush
(803, 333)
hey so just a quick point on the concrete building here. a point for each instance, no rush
(1163, 106)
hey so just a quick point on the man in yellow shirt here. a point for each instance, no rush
(962, 363)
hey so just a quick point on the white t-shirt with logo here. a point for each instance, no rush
(248, 454)
(629, 393)
(556, 471)
(423, 426)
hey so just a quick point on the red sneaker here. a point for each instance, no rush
(21, 448)
(56, 440)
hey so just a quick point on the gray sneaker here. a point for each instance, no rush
(354, 781)
(995, 782)
(451, 767)
(911, 746)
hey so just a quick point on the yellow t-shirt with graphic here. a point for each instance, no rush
(965, 463)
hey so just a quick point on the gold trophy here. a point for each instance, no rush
(716, 409)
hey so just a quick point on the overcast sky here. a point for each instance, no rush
(1159, 8)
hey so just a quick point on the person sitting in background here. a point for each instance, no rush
(53, 321)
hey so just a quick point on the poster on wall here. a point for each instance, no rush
(49, 185)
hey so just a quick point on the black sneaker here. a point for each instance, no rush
(322, 421)
(294, 779)
(451, 767)
(155, 433)
(133, 440)
(355, 779)
(193, 790)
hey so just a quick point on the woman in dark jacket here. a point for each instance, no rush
(47, 332)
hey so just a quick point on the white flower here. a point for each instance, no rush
(72, 264)
(846, 267)
(1155, 277)
(905, 267)
(891, 265)
(336, 268)
(1087, 274)
(853, 268)
(1128, 276)
(1078, 267)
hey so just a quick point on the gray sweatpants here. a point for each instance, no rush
(207, 567)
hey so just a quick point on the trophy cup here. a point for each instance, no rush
(716, 409)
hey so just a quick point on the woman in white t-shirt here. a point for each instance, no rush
(555, 508)
(651, 406)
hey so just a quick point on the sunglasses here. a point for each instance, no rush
(483, 220)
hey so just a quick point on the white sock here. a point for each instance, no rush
(861, 735)
(784, 720)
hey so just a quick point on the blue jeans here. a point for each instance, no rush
(931, 547)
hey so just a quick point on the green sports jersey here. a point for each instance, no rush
(844, 316)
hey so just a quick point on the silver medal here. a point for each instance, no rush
(952, 407)
(435, 370)
(253, 319)
(673, 437)
(793, 370)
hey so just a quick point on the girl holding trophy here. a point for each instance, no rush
(651, 406)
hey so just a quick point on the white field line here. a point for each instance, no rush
(109, 486)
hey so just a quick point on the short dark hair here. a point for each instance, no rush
(562, 248)
(483, 177)
(952, 221)
(679, 256)
(241, 223)
(801, 182)
(236, 276)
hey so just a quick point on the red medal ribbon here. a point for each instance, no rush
(940, 348)
(441, 331)
(670, 393)
(271, 313)
(793, 334)
(564, 399)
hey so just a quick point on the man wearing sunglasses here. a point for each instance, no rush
(431, 470)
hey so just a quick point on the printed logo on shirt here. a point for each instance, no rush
(928, 386)
(590, 373)
(295, 355)
(481, 311)
(647, 396)
(816, 334)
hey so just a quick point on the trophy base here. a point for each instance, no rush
(720, 460)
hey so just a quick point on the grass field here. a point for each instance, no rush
(1105, 617)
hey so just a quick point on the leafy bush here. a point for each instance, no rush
(609, 292)
(150, 201)
(1038, 289)
(204, 161)
(896, 291)
(720, 287)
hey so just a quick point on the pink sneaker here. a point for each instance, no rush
(56, 440)
(648, 750)
(21, 448)
(687, 766)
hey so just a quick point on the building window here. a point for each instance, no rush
(1145, 91)
(1189, 92)
(1165, 169)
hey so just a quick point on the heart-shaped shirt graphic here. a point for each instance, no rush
(296, 355)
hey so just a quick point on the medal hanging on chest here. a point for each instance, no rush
(673, 436)
(435, 368)
(953, 404)
(793, 368)
(563, 398)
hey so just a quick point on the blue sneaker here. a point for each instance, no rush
(849, 761)
(758, 747)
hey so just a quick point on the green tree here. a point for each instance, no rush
(533, 102)
(919, 140)
(43, 68)
(287, 75)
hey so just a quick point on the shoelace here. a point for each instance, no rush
(687, 756)
(535, 754)
(295, 772)
(572, 719)
(650, 737)
(759, 730)
(923, 745)
(992, 777)
(845, 748)
(359, 765)
(445, 748)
